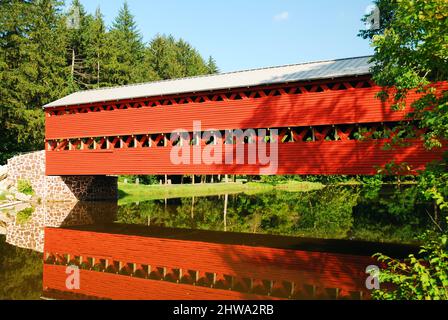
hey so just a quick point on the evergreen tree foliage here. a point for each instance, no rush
(212, 66)
(33, 71)
(127, 49)
(170, 58)
(47, 52)
(96, 51)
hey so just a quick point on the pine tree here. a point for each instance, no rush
(95, 50)
(77, 22)
(171, 59)
(212, 66)
(189, 58)
(127, 49)
(161, 56)
(32, 71)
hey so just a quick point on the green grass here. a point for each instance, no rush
(133, 193)
(2, 196)
(300, 186)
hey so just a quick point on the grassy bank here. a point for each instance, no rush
(132, 193)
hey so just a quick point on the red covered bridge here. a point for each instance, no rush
(326, 115)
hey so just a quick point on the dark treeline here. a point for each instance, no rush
(47, 52)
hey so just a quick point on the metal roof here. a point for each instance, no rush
(248, 78)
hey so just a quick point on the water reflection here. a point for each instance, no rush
(224, 247)
(129, 262)
(20, 273)
(29, 234)
(386, 215)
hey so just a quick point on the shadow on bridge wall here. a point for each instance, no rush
(92, 188)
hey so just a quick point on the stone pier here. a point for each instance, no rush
(29, 234)
(31, 167)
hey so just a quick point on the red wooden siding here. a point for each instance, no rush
(283, 270)
(311, 109)
(289, 106)
(116, 287)
(328, 157)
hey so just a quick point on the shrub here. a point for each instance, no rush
(24, 186)
(417, 278)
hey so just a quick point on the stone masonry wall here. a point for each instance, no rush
(30, 234)
(31, 167)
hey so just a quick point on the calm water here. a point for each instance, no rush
(344, 222)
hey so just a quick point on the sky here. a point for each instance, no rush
(246, 34)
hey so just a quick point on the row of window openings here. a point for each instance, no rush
(221, 97)
(289, 135)
(281, 289)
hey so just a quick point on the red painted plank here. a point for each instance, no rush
(117, 287)
(321, 158)
(311, 109)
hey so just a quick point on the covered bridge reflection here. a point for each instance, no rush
(133, 262)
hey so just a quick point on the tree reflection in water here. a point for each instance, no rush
(394, 214)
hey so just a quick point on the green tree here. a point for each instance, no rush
(126, 49)
(411, 53)
(96, 51)
(171, 59)
(191, 62)
(161, 56)
(212, 66)
(32, 71)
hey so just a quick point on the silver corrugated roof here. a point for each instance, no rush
(248, 78)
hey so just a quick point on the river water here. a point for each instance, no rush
(282, 245)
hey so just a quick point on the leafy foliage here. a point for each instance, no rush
(411, 54)
(423, 277)
(32, 71)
